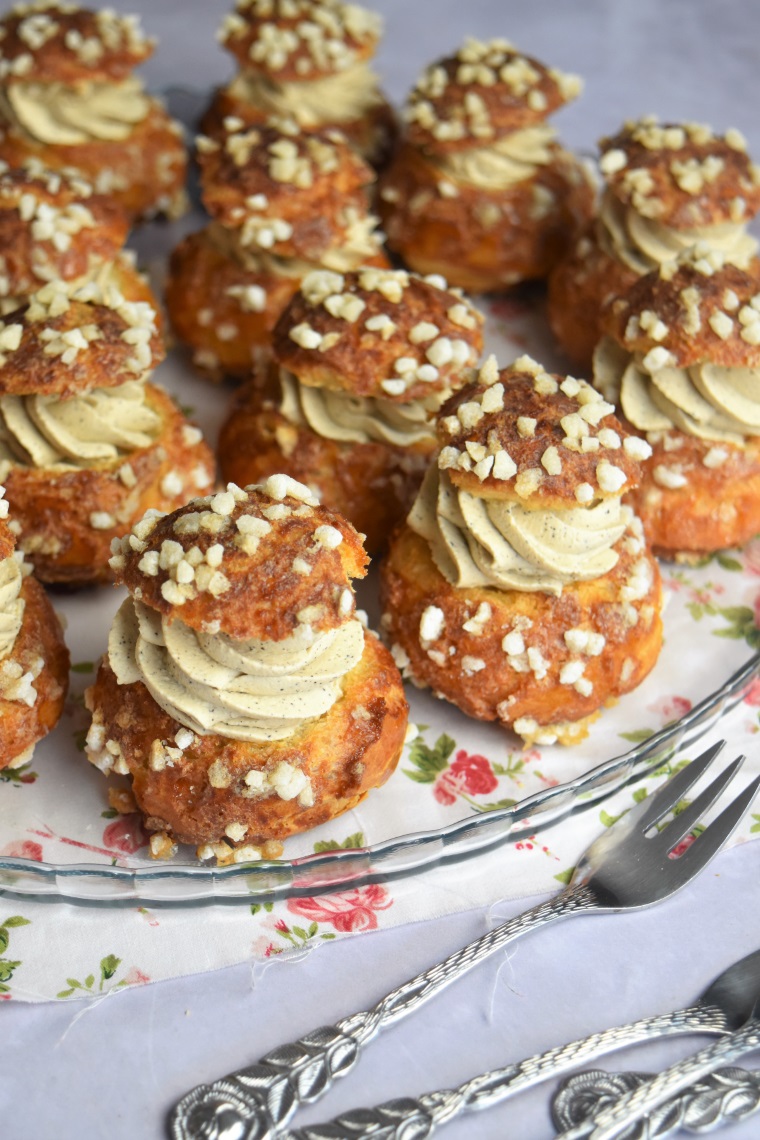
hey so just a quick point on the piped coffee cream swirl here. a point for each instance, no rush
(511, 159)
(489, 542)
(707, 401)
(643, 243)
(243, 690)
(331, 99)
(356, 419)
(100, 425)
(11, 604)
(64, 115)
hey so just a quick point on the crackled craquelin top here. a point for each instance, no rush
(682, 353)
(526, 492)
(480, 114)
(669, 186)
(241, 620)
(66, 73)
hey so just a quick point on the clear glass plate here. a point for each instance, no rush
(404, 855)
(55, 844)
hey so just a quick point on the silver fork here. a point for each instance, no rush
(625, 868)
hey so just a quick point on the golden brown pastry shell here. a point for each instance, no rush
(54, 61)
(410, 582)
(372, 484)
(343, 754)
(503, 109)
(259, 27)
(482, 240)
(373, 134)
(270, 612)
(53, 505)
(90, 247)
(40, 636)
(30, 370)
(662, 295)
(149, 167)
(579, 287)
(717, 508)
(361, 358)
(200, 275)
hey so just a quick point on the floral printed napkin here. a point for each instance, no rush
(55, 809)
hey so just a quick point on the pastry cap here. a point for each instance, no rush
(236, 562)
(681, 174)
(49, 42)
(62, 346)
(54, 226)
(698, 308)
(276, 169)
(266, 180)
(299, 39)
(379, 332)
(518, 434)
(485, 91)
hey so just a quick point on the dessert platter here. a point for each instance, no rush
(459, 416)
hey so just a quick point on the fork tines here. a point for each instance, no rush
(662, 802)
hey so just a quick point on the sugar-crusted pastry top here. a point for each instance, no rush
(299, 39)
(559, 445)
(699, 307)
(284, 191)
(260, 563)
(50, 42)
(62, 345)
(378, 332)
(53, 226)
(485, 91)
(682, 175)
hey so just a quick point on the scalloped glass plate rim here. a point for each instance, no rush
(405, 854)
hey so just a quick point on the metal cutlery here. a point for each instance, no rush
(724, 1006)
(724, 1097)
(629, 866)
(637, 1103)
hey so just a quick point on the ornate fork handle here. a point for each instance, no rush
(722, 1097)
(400, 1118)
(256, 1103)
(663, 1087)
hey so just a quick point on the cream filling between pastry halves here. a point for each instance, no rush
(243, 690)
(643, 243)
(11, 604)
(330, 99)
(511, 159)
(68, 115)
(490, 542)
(100, 425)
(356, 419)
(706, 401)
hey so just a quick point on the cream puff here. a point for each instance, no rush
(681, 357)
(360, 362)
(309, 60)
(34, 661)
(69, 99)
(54, 227)
(520, 587)
(240, 691)
(668, 187)
(86, 443)
(479, 189)
(283, 202)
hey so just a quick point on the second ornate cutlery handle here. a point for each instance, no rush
(403, 1117)
(257, 1102)
(649, 1096)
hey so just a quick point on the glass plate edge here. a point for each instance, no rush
(403, 855)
